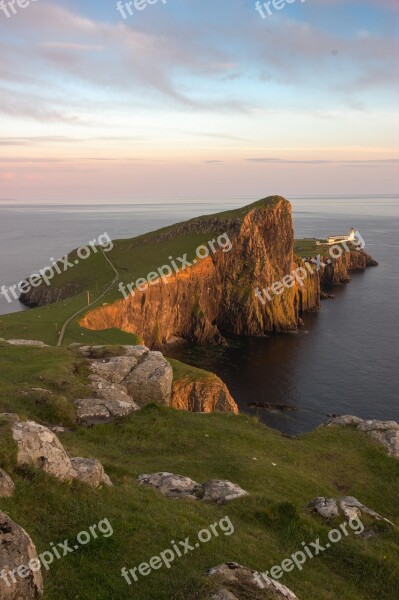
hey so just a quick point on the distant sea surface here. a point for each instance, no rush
(343, 361)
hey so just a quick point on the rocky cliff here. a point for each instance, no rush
(205, 396)
(216, 296)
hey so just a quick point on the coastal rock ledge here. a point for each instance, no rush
(386, 433)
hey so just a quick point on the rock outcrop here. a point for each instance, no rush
(348, 506)
(232, 581)
(176, 486)
(216, 296)
(7, 486)
(40, 447)
(151, 380)
(386, 433)
(18, 556)
(123, 384)
(90, 471)
(338, 270)
(172, 486)
(94, 411)
(203, 395)
(34, 343)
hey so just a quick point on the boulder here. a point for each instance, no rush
(232, 578)
(219, 491)
(349, 506)
(18, 556)
(386, 433)
(93, 411)
(326, 507)
(36, 343)
(7, 486)
(151, 380)
(90, 471)
(352, 508)
(109, 391)
(345, 420)
(114, 369)
(176, 486)
(40, 447)
(172, 486)
(138, 352)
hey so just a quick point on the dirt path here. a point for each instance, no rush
(65, 325)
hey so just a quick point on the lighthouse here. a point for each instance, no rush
(351, 236)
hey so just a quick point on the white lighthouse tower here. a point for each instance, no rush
(351, 235)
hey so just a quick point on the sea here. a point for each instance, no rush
(344, 360)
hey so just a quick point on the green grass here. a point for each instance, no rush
(307, 247)
(270, 524)
(182, 371)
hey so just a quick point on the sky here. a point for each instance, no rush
(197, 99)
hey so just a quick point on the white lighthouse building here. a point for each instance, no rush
(336, 239)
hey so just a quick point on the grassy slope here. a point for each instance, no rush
(269, 524)
(133, 258)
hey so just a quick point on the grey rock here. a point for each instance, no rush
(36, 343)
(7, 486)
(109, 391)
(151, 380)
(40, 447)
(172, 486)
(93, 411)
(326, 507)
(16, 551)
(352, 508)
(345, 420)
(220, 491)
(386, 433)
(374, 425)
(114, 369)
(177, 486)
(248, 580)
(138, 352)
(90, 471)
(389, 439)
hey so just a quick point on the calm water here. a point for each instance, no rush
(345, 358)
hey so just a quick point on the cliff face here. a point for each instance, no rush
(216, 297)
(42, 295)
(205, 395)
(338, 271)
